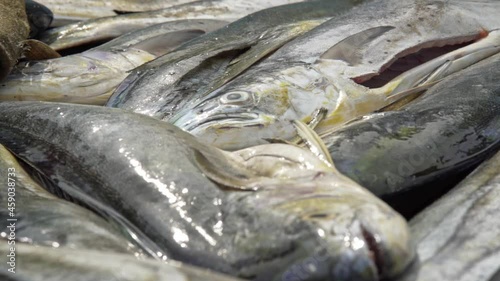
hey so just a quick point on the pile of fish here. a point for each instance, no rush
(350, 140)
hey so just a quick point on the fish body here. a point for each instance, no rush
(39, 17)
(15, 29)
(323, 69)
(456, 236)
(42, 219)
(295, 218)
(211, 60)
(49, 264)
(90, 77)
(107, 28)
(451, 128)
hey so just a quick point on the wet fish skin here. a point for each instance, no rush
(45, 220)
(90, 77)
(456, 236)
(15, 29)
(107, 28)
(49, 264)
(211, 60)
(39, 17)
(453, 127)
(318, 69)
(292, 217)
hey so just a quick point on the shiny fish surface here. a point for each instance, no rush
(323, 69)
(107, 28)
(293, 217)
(451, 128)
(14, 29)
(211, 60)
(45, 220)
(457, 236)
(90, 77)
(49, 264)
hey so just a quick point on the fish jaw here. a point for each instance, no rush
(338, 230)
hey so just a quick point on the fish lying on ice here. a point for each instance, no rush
(90, 77)
(457, 236)
(39, 17)
(453, 127)
(293, 217)
(49, 264)
(324, 68)
(213, 59)
(14, 29)
(106, 28)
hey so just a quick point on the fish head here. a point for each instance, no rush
(330, 230)
(238, 117)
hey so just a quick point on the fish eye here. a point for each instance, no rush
(236, 97)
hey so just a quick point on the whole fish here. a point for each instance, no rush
(14, 28)
(90, 77)
(281, 213)
(49, 264)
(42, 219)
(324, 68)
(457, 235)
(39, 17)
(453, 127)
(97, 8)
(209, 61)
(107, 28)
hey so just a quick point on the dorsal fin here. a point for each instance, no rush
(348, 49)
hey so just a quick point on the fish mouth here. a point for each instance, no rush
(374, 249)
(192, 123)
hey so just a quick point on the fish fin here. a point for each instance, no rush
(37, 50)
(410, 92)
(232, 176)
(162, 44)
(313, 142)
(348, 49)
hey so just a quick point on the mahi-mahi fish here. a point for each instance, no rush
(42, 219)
(324, 68)
(280, 212)
(90, 77)
(458, 236)
(399, 154)
(107, 28)
(14, 28)
(162, 87)
(49, 264)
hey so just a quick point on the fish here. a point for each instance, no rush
(399, 154)
(59, 264)
(90, 77)
(97, 8)
(328, 66)
(106, 28)
(209, 61)
(39, 17)
(294, 217)
(42, 219)
(457, 236)
(14, 29)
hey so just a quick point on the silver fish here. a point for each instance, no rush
(324, 68)
(90, 77)
(41, 219)
(106, 28)
(49, 264)
(162, 87)
(294, 216)
(457, 236)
